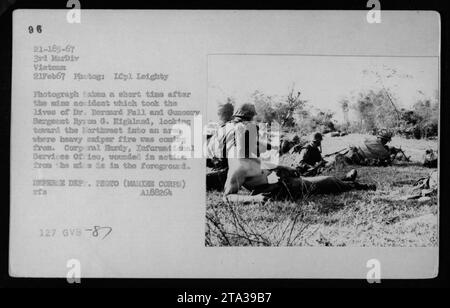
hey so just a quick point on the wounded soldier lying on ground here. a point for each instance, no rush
(282, 183)
(372, 152)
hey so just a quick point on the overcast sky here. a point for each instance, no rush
(322, 80)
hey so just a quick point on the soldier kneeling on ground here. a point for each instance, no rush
(311, 156)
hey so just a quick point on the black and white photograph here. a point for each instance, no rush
(226, 147)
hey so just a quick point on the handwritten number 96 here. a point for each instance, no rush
(38, 29)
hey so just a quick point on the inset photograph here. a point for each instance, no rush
(336, 151)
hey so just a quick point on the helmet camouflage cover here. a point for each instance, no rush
(316, 137)
(385, 134)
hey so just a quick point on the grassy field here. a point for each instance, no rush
(359, 218)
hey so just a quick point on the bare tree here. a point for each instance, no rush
(381, 76)
(287, 109)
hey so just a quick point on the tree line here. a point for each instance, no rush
(374, 110)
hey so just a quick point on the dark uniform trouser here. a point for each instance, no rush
(215, 180)
(353, 157)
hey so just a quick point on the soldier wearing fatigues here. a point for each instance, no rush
(296, 187)
(373, 151)
(311, 155)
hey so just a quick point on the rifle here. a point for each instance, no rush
(337, 152)
(314, 169)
